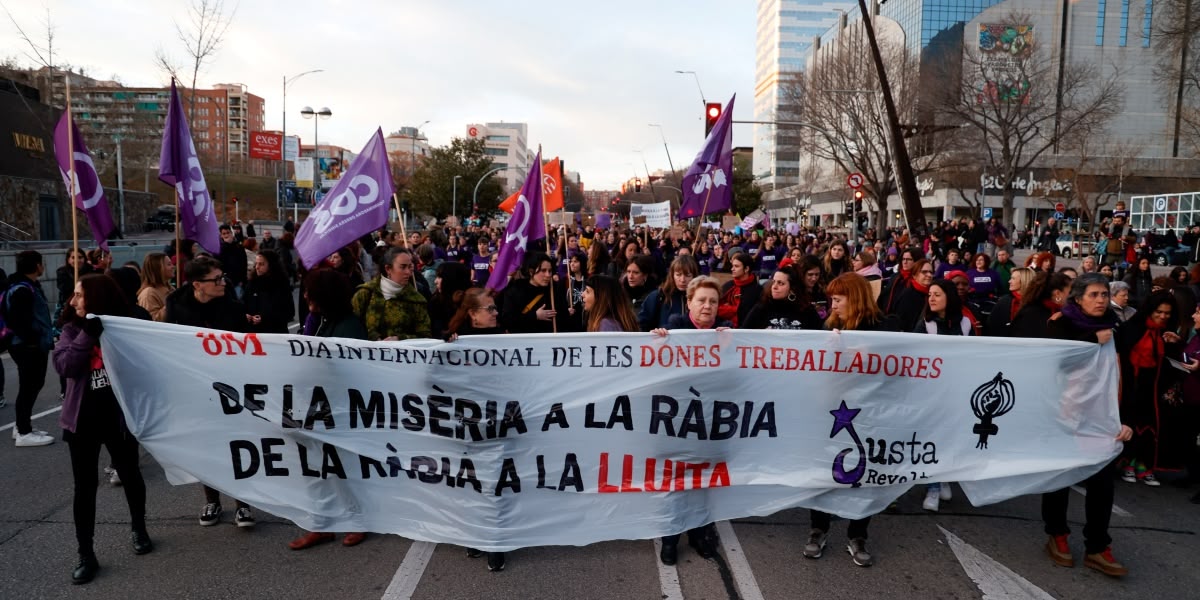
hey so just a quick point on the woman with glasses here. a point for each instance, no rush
(526, 305)
(703, 298)
(205, 301)
(784, 306)
(911, 301)
(899, 282)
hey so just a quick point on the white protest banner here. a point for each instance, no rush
(502, 442)
(657, 215)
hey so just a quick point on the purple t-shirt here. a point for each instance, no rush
(481, 268)
(984, 283)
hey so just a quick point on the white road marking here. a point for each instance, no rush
(996, 581)
(668, 576)
(742, 575)
(404, 582)
(37, 416)
(1117, 510)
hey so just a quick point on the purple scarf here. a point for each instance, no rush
(1075, 315)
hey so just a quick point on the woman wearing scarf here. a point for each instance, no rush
(1044, 297)
(742, 292)
(703, 298)
(1085, 317)
(1143, 343)
(911, 302)
(866, 264)
(898, 282)
(1006, 308)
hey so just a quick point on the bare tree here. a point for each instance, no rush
(1018, 102)
(843, 119)
(201, 38)
(1177, 26)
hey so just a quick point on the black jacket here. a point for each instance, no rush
(1031, 321)
(222, 313)
(272, 299)
(233, 262)
(684, 321)
(521, 301)
(908, 306)
(781, 314)
(1000, 319)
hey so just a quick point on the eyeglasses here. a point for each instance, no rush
(490, 308)
(926, 272)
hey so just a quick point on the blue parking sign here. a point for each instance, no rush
(987, 214)
(1058, 216)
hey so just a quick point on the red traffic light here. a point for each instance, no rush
(712, 112)
(858, 195)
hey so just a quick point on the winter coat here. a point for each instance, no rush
(404, 317)
(271, 299)
(223, 313)
(521, 301)
(347, 326)
(655, 310)
(27, 314)
(782, 314)
(154, 300)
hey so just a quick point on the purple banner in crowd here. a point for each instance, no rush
(603, 221)
(528, 222)
(88, 194)
(356, 206)
(179, 166)
(708, 183)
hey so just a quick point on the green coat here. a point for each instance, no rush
(406, 316)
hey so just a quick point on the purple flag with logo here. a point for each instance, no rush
(708, 183)
(528, 222)
(179, 166)
(357, 205)
(88, 194)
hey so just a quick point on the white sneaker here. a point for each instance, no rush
(16, 435)
(34, 438)
(113, 478)
(947, 494)
(932, 497)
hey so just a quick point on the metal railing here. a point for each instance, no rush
(10, 234)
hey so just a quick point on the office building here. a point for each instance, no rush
(507, 145)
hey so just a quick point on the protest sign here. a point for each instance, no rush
(502, 442)
(657, 215)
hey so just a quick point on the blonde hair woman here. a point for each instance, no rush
(157, 272)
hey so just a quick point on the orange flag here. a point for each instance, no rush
(552, 178)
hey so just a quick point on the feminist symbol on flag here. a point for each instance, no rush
(519, 233)
(709, 178)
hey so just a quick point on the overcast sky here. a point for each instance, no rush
(587, 77)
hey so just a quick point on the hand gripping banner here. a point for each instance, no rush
(503, 442)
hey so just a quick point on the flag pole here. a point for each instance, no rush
(71, 181)
(703, 211)
(546, 227)
(400, 217)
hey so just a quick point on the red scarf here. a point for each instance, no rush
(1015, 306)
(1148, 351)
(916, 285)
(1052, 305)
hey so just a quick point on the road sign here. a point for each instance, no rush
(1060, 208)
(987, 213)
(855, 180)
(1058, 215)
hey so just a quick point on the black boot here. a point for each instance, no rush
(473, 553)
(141, 542)
(704, 541)
(86, 570)
(669, 553)
(495, 561)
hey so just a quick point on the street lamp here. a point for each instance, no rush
(475, 194)
(282, 157)
(454, 198)
(308, 113)
(697, 78)
(670, 163)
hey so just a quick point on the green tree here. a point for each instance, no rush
(747, 196)
(433, 183)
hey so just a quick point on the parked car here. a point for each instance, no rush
(1074, 245)
(1171, 257)
(163, 220)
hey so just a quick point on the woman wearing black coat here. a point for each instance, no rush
(1045, 297)
(784, 306)
(268, 295)
(910, 303)
(526, 306)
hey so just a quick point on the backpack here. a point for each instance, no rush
(6, 334)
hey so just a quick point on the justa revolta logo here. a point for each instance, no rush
(989, 401)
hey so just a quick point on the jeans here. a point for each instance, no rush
(31, 376)
(1097, 510)
(212, 496)
(856, 531)
(85, 455)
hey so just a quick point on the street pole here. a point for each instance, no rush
(475, 194)
(454, 197)
(903, 164)
(120, 187)
(282, 153)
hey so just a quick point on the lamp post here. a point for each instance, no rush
(697, 78)
(670, 163)
(475, 194)
(454, 197)
(308, 113)
(282, 157)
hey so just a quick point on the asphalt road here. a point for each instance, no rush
(961, 552)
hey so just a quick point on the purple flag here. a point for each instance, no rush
(708, 183)
(603, 221)
(179, 166)
(88, 194)
(528, 222)
(357, 205)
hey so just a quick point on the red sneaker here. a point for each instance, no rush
(309, 540)
(1060, 551)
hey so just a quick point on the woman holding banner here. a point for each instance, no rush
(742, 292)
(1085, 317)
(851, 308)
(785, 306)
(328, 297)
(91, 418)
(703, 298)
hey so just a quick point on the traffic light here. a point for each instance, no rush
(637, 185)
(858, 198)
(712, 112)
(849, 209)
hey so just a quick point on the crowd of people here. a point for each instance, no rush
(961, 280)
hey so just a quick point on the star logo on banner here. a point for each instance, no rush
(709, 178)
(520, 233)
(843, 418)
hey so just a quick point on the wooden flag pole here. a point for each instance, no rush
(400, 217)
(703, 211)
(546, 227)
(71, 182)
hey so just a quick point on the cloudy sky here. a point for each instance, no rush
(587, 77)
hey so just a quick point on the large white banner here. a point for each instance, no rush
(502, 442)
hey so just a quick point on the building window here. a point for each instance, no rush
(495, 151)
(1124, 23)
(499, 138)
(1146, 23)
(1102, 6)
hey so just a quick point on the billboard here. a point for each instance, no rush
(266, 144)
(1004, 50)
(291, 147)
(304, 172)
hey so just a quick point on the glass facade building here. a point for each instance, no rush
(1164, 211)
